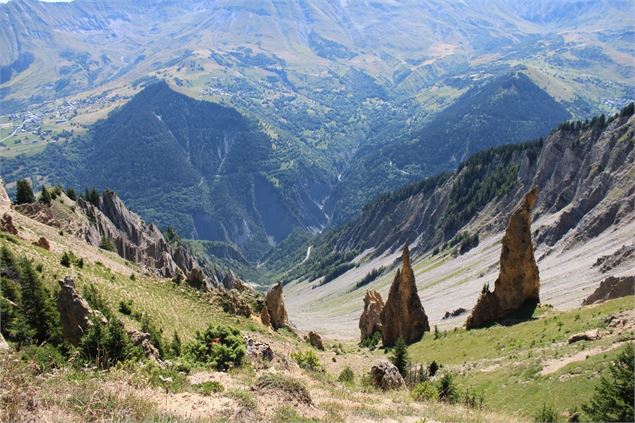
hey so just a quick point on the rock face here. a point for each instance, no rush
(6, 224)
(315, 340)
(133, 239)
(403, 315)
(275, 307)
(4, 197)
(74, 311)
(370, 321)
(386, 376)
(518, 282)
(612, 287)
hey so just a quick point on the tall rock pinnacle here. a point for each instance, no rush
(518, 282)
(403, 315)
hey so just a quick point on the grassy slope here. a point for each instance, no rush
(505, 362)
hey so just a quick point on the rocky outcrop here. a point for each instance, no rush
(142, 340)
(612, 287)
(590, 335)
(518, 283)
(265, 318)
(233, 303)
(5, 201)
(257, 350)
(231, 281)
(42, 243)
(386, 376)
(370, 321)
(74, 311)
(622, 256)
(133, 239)
(455, 313)
(403, 315)
(315, 340)
(6, 224)
(275, 307)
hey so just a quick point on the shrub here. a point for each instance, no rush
(546, 415)
(447, 389)
(125, 307)
(372, 341)
(433, 368)
(107, 344)
(66, 259)
(45, 357)
(613, 398)
(107, 244)
(175, 345)
(425, 391)
(45, 196)
(71, 193)
(156, 334)
(219, 347)
(473, 399)
(307, 360)
(96, 301)
(209, 387)
(289, 385)
(399, 356)
(347, 375)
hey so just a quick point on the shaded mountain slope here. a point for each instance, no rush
(586, 187)
(200, 167)
(509, 109)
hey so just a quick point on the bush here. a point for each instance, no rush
(71, 193)
(175, 345)
(125, 307)
(546, 415)
(46, 357)
(219, 347)
(433, 368)
(107, 244)
(289, 385)
(96, 301)
(45, 196)
(613, 398)
(400, 356)
(156, 334)
(347, 375)
(66, 259)
(307, 360)
(425, 391)
(209, 387)
(447, 389)
(107, 344)
(371, 342)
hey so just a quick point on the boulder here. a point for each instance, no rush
(142, 340)
(369, 321)
(315, 340)
(455, 313)
(403, 315)
(42, 243)
(518, 283)
(590, 335)
(386, 376)
(610, 288)
(257, 350)
(74, 311)
(6, 224)
(275, 307)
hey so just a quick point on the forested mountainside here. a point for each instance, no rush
(509, 109)
(215, 174)
(201, 168)
(583, 170)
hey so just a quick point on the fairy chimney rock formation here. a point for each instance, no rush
(369, 321)
(518, 283)
(403, 315)
(74, 311)
(275, 307)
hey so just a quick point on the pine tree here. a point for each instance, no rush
(45, 196)
(24, 193)
(37, 306)
(400, 356)
(70, 193)
(175, 346)
(613, 398)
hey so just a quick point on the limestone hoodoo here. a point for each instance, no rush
(369, 321)
(403, 315)
(275, 308)
(518, 284)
